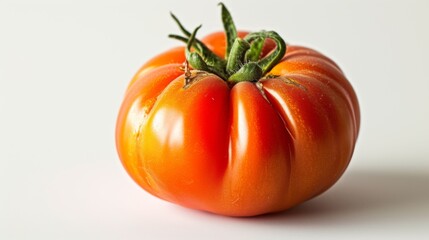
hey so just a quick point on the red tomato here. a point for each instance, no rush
(238, 148)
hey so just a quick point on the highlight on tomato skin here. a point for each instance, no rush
(237, 123)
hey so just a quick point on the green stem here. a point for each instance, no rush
(248, 72)
(236, 59)
(255, 50)
(242, 57)
(177, 37)
(181, 27)
(209, 57)
(230, 30)
(197, 62)
(272, 59)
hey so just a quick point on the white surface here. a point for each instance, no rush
(64, 67)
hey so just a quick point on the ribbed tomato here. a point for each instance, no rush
(258, 130)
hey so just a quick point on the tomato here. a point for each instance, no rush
(259, 137)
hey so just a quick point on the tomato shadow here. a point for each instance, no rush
(361, 195)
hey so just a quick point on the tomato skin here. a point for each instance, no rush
(244, 150)
(172, 56)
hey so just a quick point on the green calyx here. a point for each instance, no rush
(242, 57)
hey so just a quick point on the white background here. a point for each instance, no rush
(64, 66)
